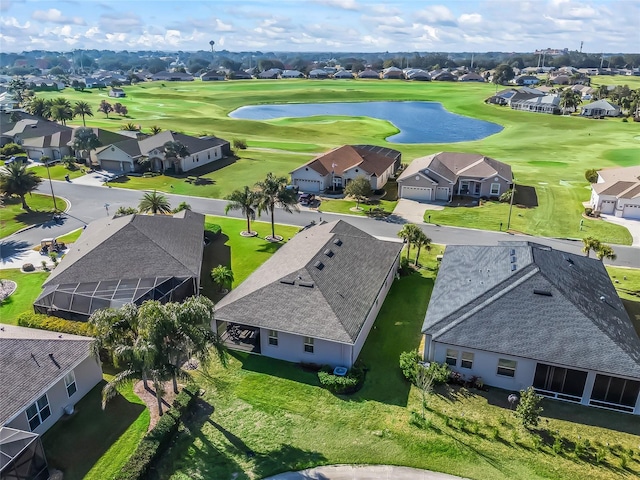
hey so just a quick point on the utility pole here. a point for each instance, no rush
(55, 206)
(513, 194)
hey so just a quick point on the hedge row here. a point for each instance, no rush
(213, 229)
(154, 443)
(342, 385)
(54, 324)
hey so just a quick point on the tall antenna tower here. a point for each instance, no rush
(581, 44)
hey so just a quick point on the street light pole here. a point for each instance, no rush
(513, 194)
(46, 163)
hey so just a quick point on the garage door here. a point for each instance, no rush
(308, 185)
(631, 211)
(607, 206)
(442, 193)
(112, 165)
(416, 193)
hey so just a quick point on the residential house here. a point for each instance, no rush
(547, 104)
(343, 74)
(416, 74)
(315, 300)
(92, 82)
(8, 101)
(392, 73)
(471, 77)
(617, 192)
(291, 74)
(526, 80)
(441, 176)
(123, 155)
(521, 314)
(600, 108)
(318, 73)
(336, 168)
(212, 76)
(22, 455)
(369, 73)
(39, 137)
(240, 75)
(127, 259)
(271, 74)
(442, 76)
(117, 92)
(165, 76)
(44, 374)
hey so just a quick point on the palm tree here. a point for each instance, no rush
(272, 192)
(244, 200)
(85, 139)
(222, 275)
(15, 179)
(590, 244)
(130, 127)
(409, 233)
(602, 92)
(155, 130)
(60, 110)
(39, 107)
(155, 203)
(605, 251)
(570, 100)
(420, 241)
(175, 151)
(83, 109)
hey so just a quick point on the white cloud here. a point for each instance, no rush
(223, 27)
(120, 22)
(470, 18)
(13, 22)
(342, 4)
(438, 14)
(54, 15)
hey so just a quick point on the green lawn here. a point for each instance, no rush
(70, 237)
(14, 218)
(242, 254)
(58, 172)
(539, 220)
(542, 149)
(94, 444)
(29, 287)
(345, 206)
(278, 414)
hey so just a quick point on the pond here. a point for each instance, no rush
(418, 122)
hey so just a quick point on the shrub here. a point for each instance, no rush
(409, 364)
(588, 211)
(417, 421)
(45, 266)
(591, 175)
(156, 441)
(239, 143)
(213, 230)
(347, 384)
(557, 444)
(529, 409)
(601, 455)
(405, 267)
(28, 267)
(11, 149)
(54, 324)
(439, 372)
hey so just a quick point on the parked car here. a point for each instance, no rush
(16, 160)
(307, 199)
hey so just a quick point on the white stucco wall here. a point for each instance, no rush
(485, 365)
(306, 173)
(201, 158)
(291, 348)
(114, 154)
(88, 374)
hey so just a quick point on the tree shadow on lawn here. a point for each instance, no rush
(275, 368)
(12, 248)
(572, 412)
(215, 253)
(76, 443)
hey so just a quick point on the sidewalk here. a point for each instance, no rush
(363, 472)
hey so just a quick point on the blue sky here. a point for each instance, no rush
(321, 25)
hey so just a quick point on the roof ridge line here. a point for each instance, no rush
(477, 162)
(535, 269)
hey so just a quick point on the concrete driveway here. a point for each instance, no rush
(363, 472)
(95, 178)
(632, 225)
(413, 211)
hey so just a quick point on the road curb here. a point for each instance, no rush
(31, 227)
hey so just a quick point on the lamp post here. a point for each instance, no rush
(513, 194)
(44, 159)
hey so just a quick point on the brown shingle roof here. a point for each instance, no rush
(343, 158)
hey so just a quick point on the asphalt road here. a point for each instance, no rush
(89, 203)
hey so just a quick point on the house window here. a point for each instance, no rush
(70, 383)
(615, 392)
(467, 360)
(308, 344)
(273, 338)
(507, 368)
(495, 189)
(208, 155)
(452, 357)
(38, 412)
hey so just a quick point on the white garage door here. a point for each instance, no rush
(631, 211)
(416, 193)
(442, 193)
(308, 185)
(607, 206)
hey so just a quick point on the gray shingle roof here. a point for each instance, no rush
(134, 246)
(26, 369)
(555, 306)
(452, 165)
(193, 144)
(344, 288)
